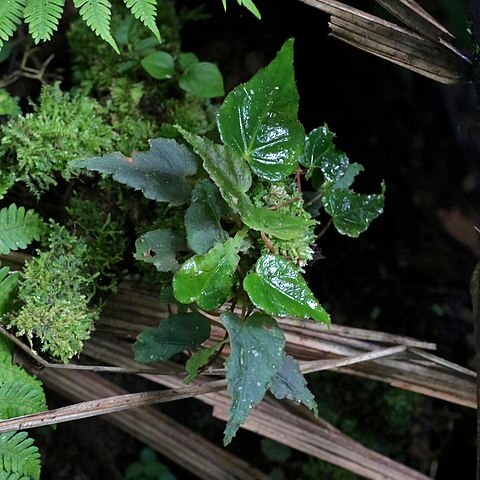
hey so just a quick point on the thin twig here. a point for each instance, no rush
(104, 406)
(267, 242)
(324, 229)
(443, 362)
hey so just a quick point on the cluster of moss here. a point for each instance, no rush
(37, 146)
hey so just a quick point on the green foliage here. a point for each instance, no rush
(159, 65)
(146, 12)
(278, 288)
(148, 468)
(183, 331)
(8, 288)
(38, 146)
(18, 398)
(11, 14)
(18, 456)
(42, 17)
(248, 4)
(235, 229)
(159, 173)
(202, 79)
(257, 355)
(207, 279)
(8, 104)
(160, 247)
(18, 228)
(55, 289)
(269, 135)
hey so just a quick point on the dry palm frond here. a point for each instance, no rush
(422, 46)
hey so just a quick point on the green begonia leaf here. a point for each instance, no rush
(228, 170)
(202, 218)
(278, 288)
(159, 247)
(159, 65)
(256, 356)
(317, 144)
(187, 60)
(208, 279)
(199, 360)
(159, 173)
(290, 383)
(202, 79)
(352, 212)
(183, 331)
(258, 119)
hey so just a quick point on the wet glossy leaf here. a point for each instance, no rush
(352, 212)
(290, 383)
(228, 170)
(278, 288)
(159, 65)
(208, 279)
(159, 247)
(183, 331)
(256, 356)
(317, 144)
(202, 79)
(258, 119)
(202, 218)
(199, 360)
(161, 173)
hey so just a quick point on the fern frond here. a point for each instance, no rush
(18, 398)
(97, 14)
(18, 228)
(42, 17)
(8, 287)
(18, 456)
(11, 13)
(146, 12)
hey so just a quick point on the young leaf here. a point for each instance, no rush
(208, 279)
(199, 360)
(159, 173)
(317, 144)
(202, 218)
(146, 12)
(258, 119)
(19, 457)
(183, 331)
(96, 14)
(42, 17)
(228, 170)
(202, 79)
(278, 288)
(18, 398)
(8, 288)
(159, 247)
(352, 212)
(256, 356)
(290, 383)
(11, 14)
(18, 228)
(159, 65)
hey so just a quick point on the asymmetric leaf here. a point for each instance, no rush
(183, 331)
(228, 170)
(202, 218)
(352, 212)
(208, 279)
(278, 288)
(258, 119)
(202, 79)
(160, 247)
(290, 383)
(161, 173)
(18, 456)
(18, 228)
(256, 356)
(159, 65)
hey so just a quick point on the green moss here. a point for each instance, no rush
(55, 290)
(37, 147)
